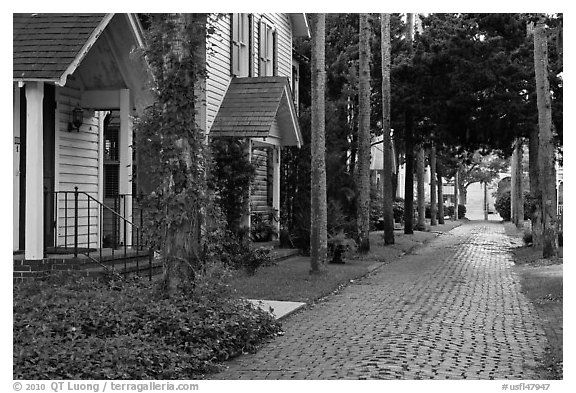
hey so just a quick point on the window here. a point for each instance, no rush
(241, 44)
(267, 53)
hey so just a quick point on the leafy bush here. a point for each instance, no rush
(502, 205)
(398, 208)
(262, 227)
(89, 330)
(237, 252)
(461, 211)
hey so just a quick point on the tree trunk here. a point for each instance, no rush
(440, 195)
(409, 145)
(485, 200)
(364, 137)
(420, 186)
(535, 193)
(318, 217)
(181, 246)
(517, 195)
(433, 203)
(546, 157)
(455, 216)
(387, 192)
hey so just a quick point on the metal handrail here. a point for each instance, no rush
(136, 231)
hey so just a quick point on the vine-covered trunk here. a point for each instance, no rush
(387, 191)
(433, 203)
(364, 137)
(318, 221)
(546, 157)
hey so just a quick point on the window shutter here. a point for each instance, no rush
(262, 49)
(274, 53)
(234, 47)
(250, 45)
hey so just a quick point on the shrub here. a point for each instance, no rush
(89, 330)
(461, 211)
(398, 209)
(262, 226)
(502, 205)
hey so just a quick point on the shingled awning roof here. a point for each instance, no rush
(49, 47)
(252, 107)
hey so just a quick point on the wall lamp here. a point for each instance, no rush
(77, 120)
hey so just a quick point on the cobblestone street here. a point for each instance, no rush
(451, 310)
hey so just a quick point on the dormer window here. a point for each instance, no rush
(267, 53)
(241, 44)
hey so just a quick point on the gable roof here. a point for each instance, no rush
(252, 106)
(49, 47)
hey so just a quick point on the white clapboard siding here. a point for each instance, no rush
(218, 56)
(78, 166)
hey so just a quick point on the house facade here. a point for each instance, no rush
(78, 80)
(76, 86)
(251, 90)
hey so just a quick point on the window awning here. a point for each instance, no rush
(260, 108)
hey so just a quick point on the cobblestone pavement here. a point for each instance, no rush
(451, 310)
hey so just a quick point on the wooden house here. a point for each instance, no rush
(78, 80)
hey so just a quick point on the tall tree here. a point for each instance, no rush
(388, 196)
(318, 221)
(363, 170)
(409, 143)
(546, 156)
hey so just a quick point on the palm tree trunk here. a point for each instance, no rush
(546, 157)
(364, 137)
(388, 195)
(318, 218)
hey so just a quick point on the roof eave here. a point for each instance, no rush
(85, 49)
(300, 26)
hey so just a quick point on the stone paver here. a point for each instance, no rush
(452, 310)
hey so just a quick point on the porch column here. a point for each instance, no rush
(34, 231)
(125, 175)
(276, 185)
(16, 170)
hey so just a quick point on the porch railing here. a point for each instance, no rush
(77, 212)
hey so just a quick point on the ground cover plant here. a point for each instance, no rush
(128, 330)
